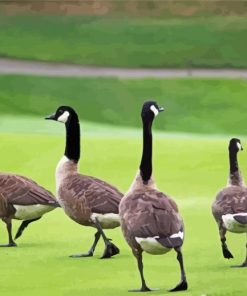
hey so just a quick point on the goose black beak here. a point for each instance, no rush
(161, 109)
(51, 117)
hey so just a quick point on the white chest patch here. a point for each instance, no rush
(151, 245)
(232, 225)
(31, 212)
(107, 221)
(60, 171)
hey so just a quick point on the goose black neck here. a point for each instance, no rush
(233, 162)
(72, 148)
(146, 161)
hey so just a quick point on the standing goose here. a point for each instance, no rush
(22, 199)
(230, 207)
(85, 199)
(149, 219)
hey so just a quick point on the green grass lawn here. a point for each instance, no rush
(189, 168)
(127, 42)
(211, 106)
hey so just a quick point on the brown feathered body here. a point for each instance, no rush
(230, 200)
(146, 212)
(22, 198)
(83, 196)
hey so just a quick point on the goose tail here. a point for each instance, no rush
(172, 241)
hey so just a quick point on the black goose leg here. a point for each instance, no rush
(9, 228)
(24, 225)
(183, 285)
(144, 287)
(91, 251)
(244, 264)
(110, 248)
(226, 253)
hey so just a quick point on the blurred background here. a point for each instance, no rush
(105, 58)
(181, 36)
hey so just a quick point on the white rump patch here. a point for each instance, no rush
(107, 221)
(64, 117)
(232, 225)
(239, 146)
(31, 212)
(155, 110)
(151, 245)
(179, 234)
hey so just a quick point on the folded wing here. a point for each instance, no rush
(100, 196)
(20, 190)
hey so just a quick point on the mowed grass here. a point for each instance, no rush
(215, 106)
(127, 42)
(189, 168)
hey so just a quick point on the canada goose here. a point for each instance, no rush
(149, 219)
(230, 207)
(85, 199)
(22, 199)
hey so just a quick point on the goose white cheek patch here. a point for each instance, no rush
(155, 110)
(64, 117)
(239, 146)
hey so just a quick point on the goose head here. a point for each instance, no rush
(63, 114)
(235, 145)
(150, 110)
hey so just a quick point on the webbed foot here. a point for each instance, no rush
(226, 253)
(143, 289)
(110, 251)
(182, 286)
(244, 264)
(13, 244)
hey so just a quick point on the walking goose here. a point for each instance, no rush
(149, 218)
(86, 200)
(230, 207)
(22, 199)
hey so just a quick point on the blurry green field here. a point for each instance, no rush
(127, 42)
(211, 106)
(187, 167)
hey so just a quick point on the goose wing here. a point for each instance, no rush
(100, 196)
(20, 190)
(151, 214)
